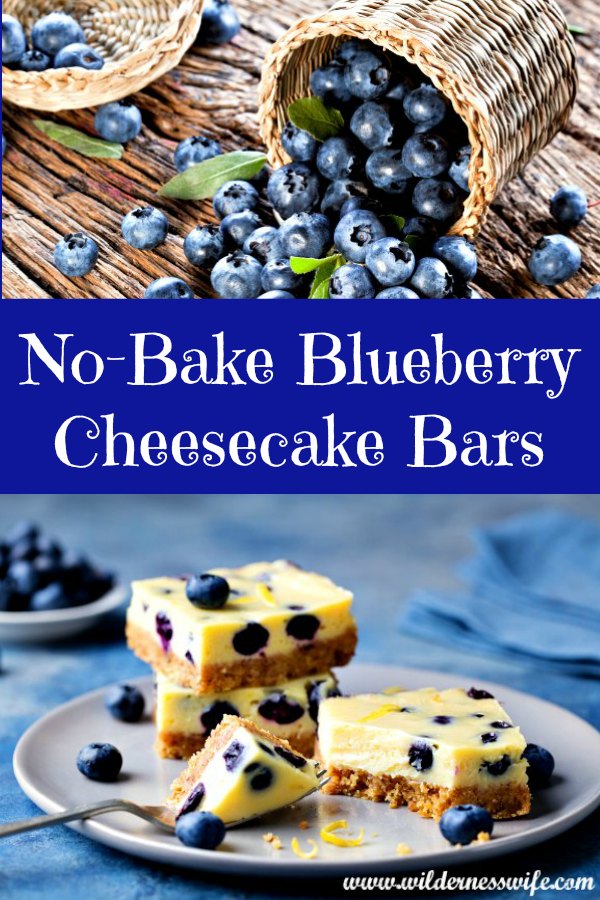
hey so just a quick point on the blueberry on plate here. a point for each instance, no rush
(554, 259)
(80, 56)
(540, 765)
(569, 206)
(201, 830)
(220, 23)
(207, 591)
(145, 228)
(53, 596)
(120, 121)
(351, 282)
(14, 42)
(299, 145)
(193, 150)
(76, 255)
(204, 245)
(56, 30)
(168, 288)
(100, 762)
(22, 576)
(462, 824)
(237, 276)
(125, 702)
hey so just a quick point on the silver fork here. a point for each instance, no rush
(161, 816)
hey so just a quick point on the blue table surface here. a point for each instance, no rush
(381, 547)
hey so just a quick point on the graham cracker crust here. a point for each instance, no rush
(176, 745)
(503, 802)
(316, 657)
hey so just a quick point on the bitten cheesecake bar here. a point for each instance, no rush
(278, 623)
(288, 710)
(427, 749)
(242, 771)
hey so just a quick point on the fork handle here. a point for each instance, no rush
(69, 815)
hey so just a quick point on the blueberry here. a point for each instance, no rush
(432, 279)
(78, 55)
(498, 767)
(100, 762)
(22, 576)
(168, 288)
(305, 235)
(372, 124)
(421, 227)
(51, 597)
(347, 50)
(280, 709)
(459, 254)
(201, 830)
(337, 158)
(302, 627)
(351, 282)
(439, 200)
(125, 702)
(479, 694)
(24, 549)
(400, 88)
(233, 197)
(425, 155)
(261, 776)
(23, 531)
(293, 189)
(391, 261)
(53, 32)
(397, 293)
(442, 720)
(328, 83)
(204, 245)
(554, 259)
(593, 293)
(14, 43)
(386, 171)
(367, 75)
(462, 824)
(425, 106)
(298, 762)
(373, 204)
(47, 569)
(317, 691)
(540, 765)
(220, 23)
(237, 227)
(276, 295)
(75, 255)
(212, 715)
(355, 232)
(193, 150)
(232, 755)
(340, 192)
(299, 145)
(459, 168)
(3, 145)
(164, 629)
(193, 800)
(489, 738)
(207, 591)
(277, 275)
(420, 756)
(120, 121)
(35, 61)
(237, 276)
(264, 244)
(569, 206)
(250, 639)
(145, 228)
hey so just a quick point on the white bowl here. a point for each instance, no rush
(39, 627)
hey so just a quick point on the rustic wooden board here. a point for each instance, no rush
(49, 191)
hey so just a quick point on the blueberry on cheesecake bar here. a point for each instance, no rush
(427, 749)
(259, 624)
(242, 772)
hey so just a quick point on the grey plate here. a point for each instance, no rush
(56, 624)
(44, 763)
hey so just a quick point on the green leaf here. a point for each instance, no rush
(412, 240)
(301, 265)
(577, 29)
(320, 286)
(203, 180)
(92, 147)
(398, 222)
(311, 115)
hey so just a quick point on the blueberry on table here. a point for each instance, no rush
(554, 259)
(100, 762)
(459, 254)
(168, 288)
(78, 55)
(76, 254)
(277, 275)
(120, 121)
(373, 125)
(462, 824)
(397, 293)
(431, 279)
(235, 196)
(569, 206)
(125, 702)
(35, 61)
(14, 43)
(305, 235)
(367, 75)
(201, 830)
(540, 765)
(204, 245)
(299, 145)
(207, 591)
(293, 189)
(51, 597)
(56, 30)
(145, 228)
(193, 150)
(264, 244)
(220, 23)
(237, 276)
(351, 282)
(355, 232)
(237, 227)
(212, 715)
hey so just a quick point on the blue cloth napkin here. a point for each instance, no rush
(532, 593)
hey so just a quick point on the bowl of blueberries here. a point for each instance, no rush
(87, 53)
(47, 591)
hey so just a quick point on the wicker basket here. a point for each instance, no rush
(507, 66)
(140, 40)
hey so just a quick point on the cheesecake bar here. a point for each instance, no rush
(278, 622)
(427, 749)
(288, 710)
(242, 771)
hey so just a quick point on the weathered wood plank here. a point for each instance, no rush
(49, 191)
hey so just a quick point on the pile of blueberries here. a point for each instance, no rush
(37, 574)
(57, 42)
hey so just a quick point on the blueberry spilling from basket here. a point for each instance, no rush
(57, 42)
(38, 574)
